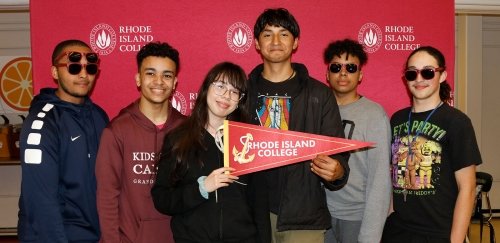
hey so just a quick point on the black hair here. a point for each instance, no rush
(63, 44)
(348, 46)
(278, 17)
(158, 49)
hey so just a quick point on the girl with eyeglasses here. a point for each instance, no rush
(434, 158)
(206, 203)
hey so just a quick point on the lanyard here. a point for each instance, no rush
(418, 130)
(410, 144)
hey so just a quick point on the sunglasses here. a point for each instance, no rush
(75, 67)
(427, 73)
(336, 67)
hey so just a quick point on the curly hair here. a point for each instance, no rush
(348, 46)
(158, 49)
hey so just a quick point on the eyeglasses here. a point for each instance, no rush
(336, 67)
(427, 73)
(75, 67)
(221, 89)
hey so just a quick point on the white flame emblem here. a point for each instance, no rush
(370, 38)
(239, 39)
(103, 40)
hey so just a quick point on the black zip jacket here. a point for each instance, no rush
(194, 218)
(302, 203)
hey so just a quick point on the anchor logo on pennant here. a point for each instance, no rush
(241, 157)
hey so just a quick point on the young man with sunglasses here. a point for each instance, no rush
(130, 146)
(434, 158)
(282, 95)
(59, 142)
(360, 208)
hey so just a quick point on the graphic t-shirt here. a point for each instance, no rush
(273, 110)
(274, 103)
(425, 157)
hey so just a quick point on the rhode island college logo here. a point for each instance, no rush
(239, 37)
(179, 102)
(370, 36)
(102, 39)
(242, 156)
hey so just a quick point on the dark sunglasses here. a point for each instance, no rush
(75, 67)
(427, 73)
(336, 67)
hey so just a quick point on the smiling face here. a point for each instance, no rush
(425, 89)
(73, 88)
(276, 44)
(344, 83)
(156, 79)
(220, 106)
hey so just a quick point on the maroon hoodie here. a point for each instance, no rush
(125, 170)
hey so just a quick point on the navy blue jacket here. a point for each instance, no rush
(59, 142)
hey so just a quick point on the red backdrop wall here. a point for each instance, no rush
(208, 32)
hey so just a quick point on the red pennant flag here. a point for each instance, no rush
(250, 148)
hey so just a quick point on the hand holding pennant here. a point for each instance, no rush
(250, 148)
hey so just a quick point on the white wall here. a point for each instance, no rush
(14, 41)
(478, 86)
(490, 100)
(15, 32)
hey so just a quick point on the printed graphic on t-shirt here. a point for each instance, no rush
(274, 111)
(416, 160)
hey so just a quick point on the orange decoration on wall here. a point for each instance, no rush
(16, 87)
